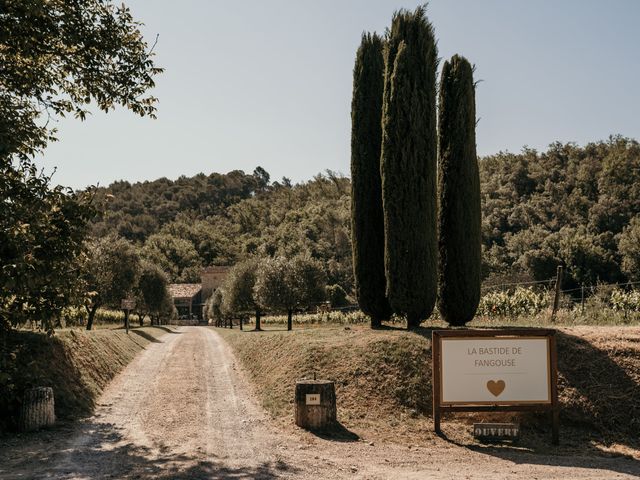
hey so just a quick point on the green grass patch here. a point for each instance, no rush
(383, 378)
(76, 363)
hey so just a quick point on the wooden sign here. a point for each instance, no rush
(312, 399)
(495, 370)
(496, 431)
(128, 304)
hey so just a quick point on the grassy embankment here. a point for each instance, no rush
(76, 363)
(383, 383)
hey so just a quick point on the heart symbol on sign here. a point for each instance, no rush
(496, 388)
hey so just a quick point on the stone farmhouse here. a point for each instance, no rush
(189, 298)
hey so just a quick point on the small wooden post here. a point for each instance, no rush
(556, 299)
(555, 404)
(315, 404)
(38, 409)
(435, 381)
(240, 322)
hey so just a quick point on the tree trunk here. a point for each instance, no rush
(92, 313)
(413, 322)
(289, 319)
(258, 327)
(315, 404)
(376, 322)
(141, 319)
(38, 409)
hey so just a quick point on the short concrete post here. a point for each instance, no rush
(38, 409)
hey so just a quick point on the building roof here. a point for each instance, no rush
(184, 290)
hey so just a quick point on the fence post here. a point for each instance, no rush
(556, 299)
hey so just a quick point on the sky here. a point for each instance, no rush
(269, 83)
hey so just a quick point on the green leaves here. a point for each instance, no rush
(408, 165)
(283, 284)
(367, 220)
(58, 56)
(41, 234)
(459, 214)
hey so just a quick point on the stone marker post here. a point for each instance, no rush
(315, 404)
(38, 409)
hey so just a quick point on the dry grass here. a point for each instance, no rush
(76, 363)
(383, 383)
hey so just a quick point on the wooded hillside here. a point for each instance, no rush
(571, 205)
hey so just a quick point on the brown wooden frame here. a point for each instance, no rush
(436, 351)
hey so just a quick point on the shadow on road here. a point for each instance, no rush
(338, 433)
(146, 336)
(600, 405)
(570, 456)
(101, 453)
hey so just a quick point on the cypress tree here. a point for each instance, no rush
(459, 241)
(408, 166)
(367, 222)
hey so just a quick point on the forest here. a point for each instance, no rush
(576, 206)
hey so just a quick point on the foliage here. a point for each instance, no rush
(367, 220)
(154, 298)
(238, 288)
(111, 273)
(459, 221)
(527, 199)
(625, 301)
(174, 255)
(519, 302)
(408, 165)
(563, 206)
(41, 233)
(213, 306)
(629, 249)
(77, 316)
(57, 57)
(337, 296)
(136, 211)
(286, 284)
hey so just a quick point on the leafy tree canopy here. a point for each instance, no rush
(59, 56)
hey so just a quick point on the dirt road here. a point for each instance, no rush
(182, 409)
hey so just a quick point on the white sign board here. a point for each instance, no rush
(313, 399)
(128, 304)
(505, 371)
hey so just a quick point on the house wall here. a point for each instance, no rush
(212, 278)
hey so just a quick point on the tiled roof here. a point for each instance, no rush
(184, 290)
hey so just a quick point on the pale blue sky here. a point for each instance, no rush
(269, 83)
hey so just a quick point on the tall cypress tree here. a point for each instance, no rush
(408, 165)
(459, 241)
(367, 223)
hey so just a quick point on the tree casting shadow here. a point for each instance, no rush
(98, 458)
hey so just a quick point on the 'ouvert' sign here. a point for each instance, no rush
(494, 370)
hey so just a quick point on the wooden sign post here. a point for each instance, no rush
(495, 371)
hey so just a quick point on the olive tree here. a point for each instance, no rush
(57, 57)
(238, 290)
(284, 285)
(154, 298)
(111, 273)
